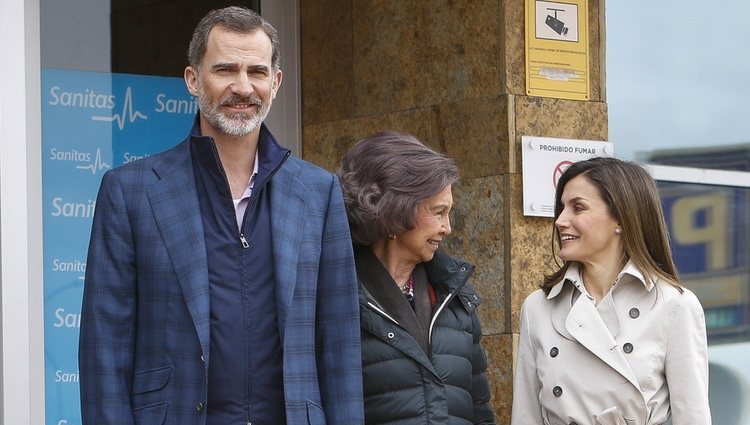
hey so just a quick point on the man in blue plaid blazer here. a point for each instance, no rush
(220, 281)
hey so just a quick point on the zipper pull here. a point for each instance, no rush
(244, 241)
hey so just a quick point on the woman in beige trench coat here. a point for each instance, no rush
(612, 337)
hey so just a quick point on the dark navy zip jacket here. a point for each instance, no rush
(245, 382)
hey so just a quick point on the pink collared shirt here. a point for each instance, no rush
(240, 205)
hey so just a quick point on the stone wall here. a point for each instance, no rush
(450, 72)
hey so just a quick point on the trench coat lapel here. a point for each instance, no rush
(608, 312)
(585, 325)
(561, 308)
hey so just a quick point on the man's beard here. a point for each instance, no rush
(237, 124)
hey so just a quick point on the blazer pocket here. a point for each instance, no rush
(151, 380)
(315, 414)
(154, 414)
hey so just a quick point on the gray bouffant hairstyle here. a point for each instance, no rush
(236, 19)
(384, 177)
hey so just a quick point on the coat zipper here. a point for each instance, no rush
(445, 302)
(382, 313)
(435, 316)
(437, 312)
(243, 240)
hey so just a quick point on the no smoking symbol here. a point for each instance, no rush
(559, 170)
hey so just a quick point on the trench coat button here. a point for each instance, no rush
(554, 352)
(557, 391)
(634, 313)
(390, 335)
(203, 359)
(627, 348)
(199, 406)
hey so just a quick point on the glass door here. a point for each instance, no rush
(111, 92)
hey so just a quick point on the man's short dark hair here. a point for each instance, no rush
(235, 19)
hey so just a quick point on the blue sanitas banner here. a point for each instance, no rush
(91, 122)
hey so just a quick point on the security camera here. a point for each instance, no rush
(557, 25)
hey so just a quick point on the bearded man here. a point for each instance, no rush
(220, 281)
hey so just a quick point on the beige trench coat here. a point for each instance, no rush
(630, 360)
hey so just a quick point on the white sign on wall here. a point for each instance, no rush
(544, 161)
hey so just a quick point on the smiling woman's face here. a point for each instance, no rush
(433, 224)
(586, 227)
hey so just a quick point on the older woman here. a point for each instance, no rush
(422, 360)
(612, 337)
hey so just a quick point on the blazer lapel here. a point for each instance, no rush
(174, 203)
(288, 211)
(585, 324)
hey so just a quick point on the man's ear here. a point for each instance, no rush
(191, 80)
(276, 83)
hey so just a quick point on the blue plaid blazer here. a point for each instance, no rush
(144, 342)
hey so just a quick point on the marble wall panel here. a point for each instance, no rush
(326, 143)
(478, 223)
(326, 58)
(415, 54)
(499, 350)
(530, 251)
(475, 133)
(514, 44)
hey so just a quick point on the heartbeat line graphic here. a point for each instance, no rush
(127, 113)
(97, 165)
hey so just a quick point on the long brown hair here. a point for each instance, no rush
(633, 201)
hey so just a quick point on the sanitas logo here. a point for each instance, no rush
(59, 265)
(66, 377)
(128, 114)
(86, 99)
(96, 165)
(90, 99)
(64, 319)
(75, 266)
(86, 161)
(176, 106)
(62, 208)
(93, 100)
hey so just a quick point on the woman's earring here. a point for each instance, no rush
(391, 236)
(618, 230)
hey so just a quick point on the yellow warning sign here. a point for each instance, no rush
(557, 49)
